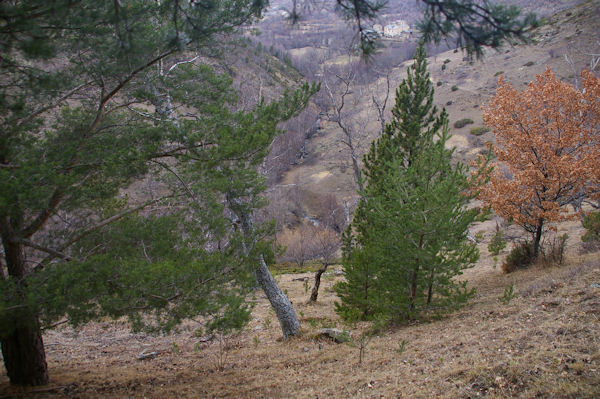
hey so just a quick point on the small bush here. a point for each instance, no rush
(439, 83)
(497, 243)
(478, 131)
(509, 294)
(591, 223)
(499, 73)
(528, 64)
(462, 122)
(449, 103)
(443, 67)
(447, 60)
(553, 254)
(454, 88)
(519, 257)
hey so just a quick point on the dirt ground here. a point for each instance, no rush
(545, 343)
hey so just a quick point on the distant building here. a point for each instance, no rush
(395, 29)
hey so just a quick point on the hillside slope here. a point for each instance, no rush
(462, 87)
(544, 343)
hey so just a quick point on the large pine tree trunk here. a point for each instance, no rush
(23, 348)
(281, 304)
(24, 355)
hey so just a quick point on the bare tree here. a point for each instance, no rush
(301, 245)
(345, 95)
(327, 243)
(331, 214)
(351, 135)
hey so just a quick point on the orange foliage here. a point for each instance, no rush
(547, 148)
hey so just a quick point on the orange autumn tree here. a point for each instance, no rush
(547, 150)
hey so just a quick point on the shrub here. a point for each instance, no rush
(555, 251)
(479, 130)
(439, 83)
(449, 103)
(462, 122)
(528, 64)
(498, 73)
(497, 243)
(443, 67)
(447, 60)
(519, 257)
(591, 223)
(454, 88)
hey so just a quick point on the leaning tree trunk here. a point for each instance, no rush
(22, 348)
(279, 301)
(281, 304)
(315, 291)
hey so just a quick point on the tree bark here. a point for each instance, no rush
(279, 301)
(315, 291)
(537, 238)
(23, 348)
(24, 355)
(281, 304)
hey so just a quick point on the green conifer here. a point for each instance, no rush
(407, 239)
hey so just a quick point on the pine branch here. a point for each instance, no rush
(93, 228)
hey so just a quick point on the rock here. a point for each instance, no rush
(147, 355)
(335, 334)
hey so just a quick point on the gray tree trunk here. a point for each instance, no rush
(281, 304)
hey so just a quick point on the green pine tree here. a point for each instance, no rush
(407, 239)
(95, 96)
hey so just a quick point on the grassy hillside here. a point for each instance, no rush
(543, 343)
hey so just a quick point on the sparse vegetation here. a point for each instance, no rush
(591, 223)
(497, 244)
(454, 88)
(479, 130)
(463, 122)
(509, 294)
(521, 256)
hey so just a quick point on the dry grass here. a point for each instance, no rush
(544, 343)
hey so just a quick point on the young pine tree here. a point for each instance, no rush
(408, 237)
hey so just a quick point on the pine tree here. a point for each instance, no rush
(94, 96)
(408, 236)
